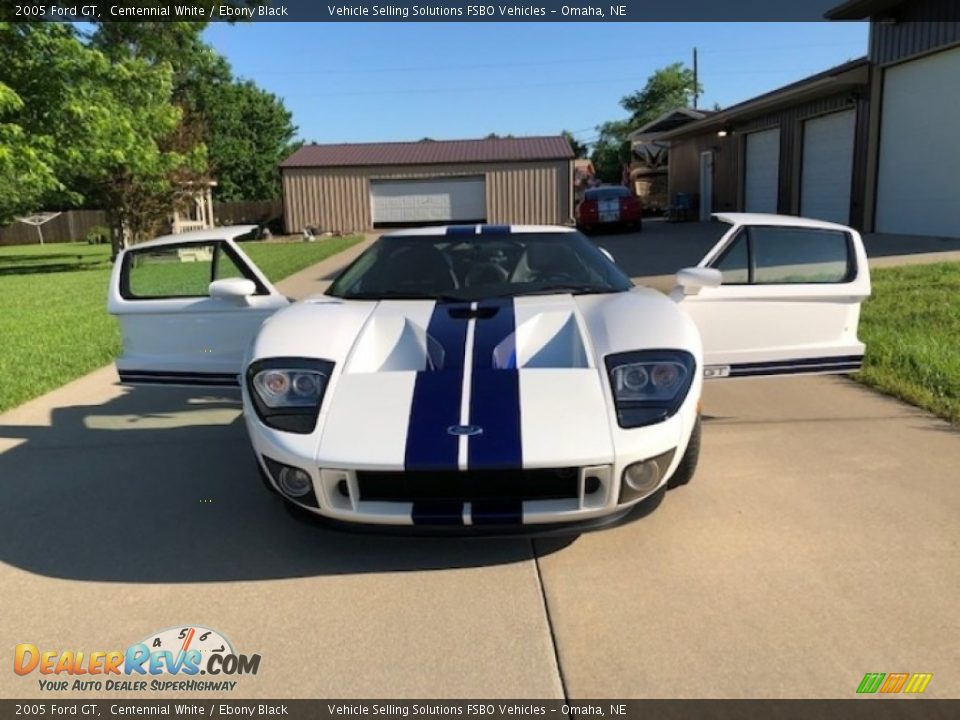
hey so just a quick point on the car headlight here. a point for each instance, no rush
(649, 385)
(287, 392)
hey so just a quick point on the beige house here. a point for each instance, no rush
(356, 187)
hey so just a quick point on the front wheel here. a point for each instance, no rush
(688, 463)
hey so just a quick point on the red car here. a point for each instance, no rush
(608, 206)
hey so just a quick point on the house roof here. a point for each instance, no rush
(860, 9)
(432, 152)
(670, 120)
(848, 75)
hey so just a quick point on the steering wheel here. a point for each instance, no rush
(485, 274)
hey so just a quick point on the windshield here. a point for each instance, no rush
(474, 267)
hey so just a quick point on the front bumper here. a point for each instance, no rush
(345, 498)
(620, 516)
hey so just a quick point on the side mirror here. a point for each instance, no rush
(232, 289)
(692, 279)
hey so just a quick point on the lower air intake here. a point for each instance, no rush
(469, 485)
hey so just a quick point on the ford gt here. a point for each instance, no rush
(487, 378)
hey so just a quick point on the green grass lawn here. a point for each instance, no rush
(54, 326)
(911, 326)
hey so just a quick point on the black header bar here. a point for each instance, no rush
(418, 11)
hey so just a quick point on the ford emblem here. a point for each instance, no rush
(467, 430)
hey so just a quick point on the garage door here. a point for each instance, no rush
(426, 201)
(919, 169)
(762, 169)
(828, 167)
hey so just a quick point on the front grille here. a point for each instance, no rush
(469, 485)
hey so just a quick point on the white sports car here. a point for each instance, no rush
(487, 378)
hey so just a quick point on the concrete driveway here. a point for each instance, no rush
(818, 542)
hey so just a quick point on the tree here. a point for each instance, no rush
(666, 89)
(247, 131)
(611, 151)
(580, 150)
(26, 163)
(98, 130)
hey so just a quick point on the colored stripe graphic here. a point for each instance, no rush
(894, 682)
(870, 683)
(436, 396)
(495, 393)
(918, 683)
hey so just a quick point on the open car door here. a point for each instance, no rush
(778, 295)
(189, 306)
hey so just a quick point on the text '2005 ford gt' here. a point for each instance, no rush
(483, 378)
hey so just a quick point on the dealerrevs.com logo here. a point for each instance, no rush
(168, 660)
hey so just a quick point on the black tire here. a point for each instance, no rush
(688, 463)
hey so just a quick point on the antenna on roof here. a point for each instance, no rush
(696, 85)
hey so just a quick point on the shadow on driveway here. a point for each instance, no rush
(160, 486)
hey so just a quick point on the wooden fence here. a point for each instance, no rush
(73, 225)
(66, 227)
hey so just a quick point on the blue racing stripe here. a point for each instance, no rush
(437, 512)
(494, 229)
(496, 512)
(462, 230)
(437, 395)
(494, 394)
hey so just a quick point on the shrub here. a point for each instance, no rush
(98, 235)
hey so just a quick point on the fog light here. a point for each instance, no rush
(641, 478)
(294, 482)
(291, 482)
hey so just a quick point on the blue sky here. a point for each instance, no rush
(359, 82)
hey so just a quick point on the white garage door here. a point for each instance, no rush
(828, 167)
(762, 168)
(919, 171)
(413, 201)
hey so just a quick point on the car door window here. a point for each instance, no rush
(799, 255)
(179, 271)
(767, 255)
(734, 263)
